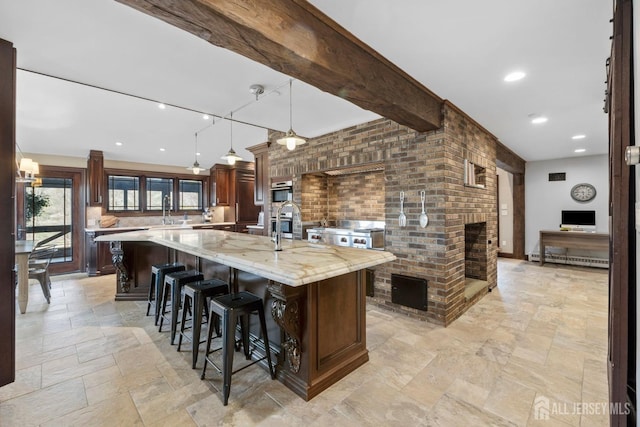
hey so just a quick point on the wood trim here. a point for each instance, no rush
(622, 233)
(505, 255)
(508, 160)
(297, 39)
(142, 175)
(518, 217)
(7, 212)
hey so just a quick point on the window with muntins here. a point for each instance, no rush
(124, 193)
(190, 194)
(159, 191)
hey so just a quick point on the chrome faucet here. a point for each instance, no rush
(278, 234)
(166, 203)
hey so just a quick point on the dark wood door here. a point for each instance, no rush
(7, 212)
(61, 222)
(622, 272)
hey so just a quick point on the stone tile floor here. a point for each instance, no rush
(540, 338)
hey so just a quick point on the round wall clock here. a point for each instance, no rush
(583, 192)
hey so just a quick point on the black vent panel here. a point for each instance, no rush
(558, 176)
(409, 291)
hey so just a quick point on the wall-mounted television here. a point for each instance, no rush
(579, 218)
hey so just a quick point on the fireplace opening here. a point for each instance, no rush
(475, 259)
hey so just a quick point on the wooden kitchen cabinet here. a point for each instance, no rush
(236, 183)
(261, 172)
(261, 191)
(95, 178)
(243, 191)
(220, 185)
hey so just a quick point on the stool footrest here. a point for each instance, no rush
(233, 309)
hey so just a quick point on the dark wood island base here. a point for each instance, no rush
(323, 330)
(317, 330)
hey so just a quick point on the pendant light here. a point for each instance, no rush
(196, 166)
(231, 157)
(291, 140)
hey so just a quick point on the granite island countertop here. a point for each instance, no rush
(158, 226)
(299, 263)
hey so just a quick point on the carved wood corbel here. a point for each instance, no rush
(286, 310)
(117, 257)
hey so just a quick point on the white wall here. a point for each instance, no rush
(505, 210)
(545, 200)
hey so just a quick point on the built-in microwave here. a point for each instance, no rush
(281, 191)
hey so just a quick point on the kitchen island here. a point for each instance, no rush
(315, 293)
(99, 258)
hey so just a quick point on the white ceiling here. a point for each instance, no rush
(459, 49)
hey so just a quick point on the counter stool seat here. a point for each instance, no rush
(231, 308)
(158, 271)
(194, 296)
(173, 283)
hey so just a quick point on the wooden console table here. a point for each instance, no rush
(572, 239)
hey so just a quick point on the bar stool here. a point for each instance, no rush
(231, 308)
(158, 271)
(194, 296)
(173, 283)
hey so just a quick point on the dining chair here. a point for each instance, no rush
(39, 261)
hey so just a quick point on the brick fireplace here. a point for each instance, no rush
(436, 162)
(475, 260)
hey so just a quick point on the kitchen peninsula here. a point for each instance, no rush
(316, 293)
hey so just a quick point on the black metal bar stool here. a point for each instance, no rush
(231, 308)
(194, 296)
(158, 271)
(173, 283)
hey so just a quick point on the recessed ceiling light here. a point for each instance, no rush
(538, 120)
(162, 106)
(205, 117)
(197, 154)
(579, 136)
(118, 143)
(162, 149)
(515, 76)
(579, 150)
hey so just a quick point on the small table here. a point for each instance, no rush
(23, 250)
(573, 239)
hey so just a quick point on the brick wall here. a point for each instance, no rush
(353, 196)
(413, 161)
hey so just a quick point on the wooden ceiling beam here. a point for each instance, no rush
(295, 38)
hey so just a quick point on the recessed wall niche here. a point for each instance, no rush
(474, 175)
(355, 196)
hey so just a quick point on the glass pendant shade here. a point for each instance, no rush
(231, 157)
(196, 166)
(291, 140)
